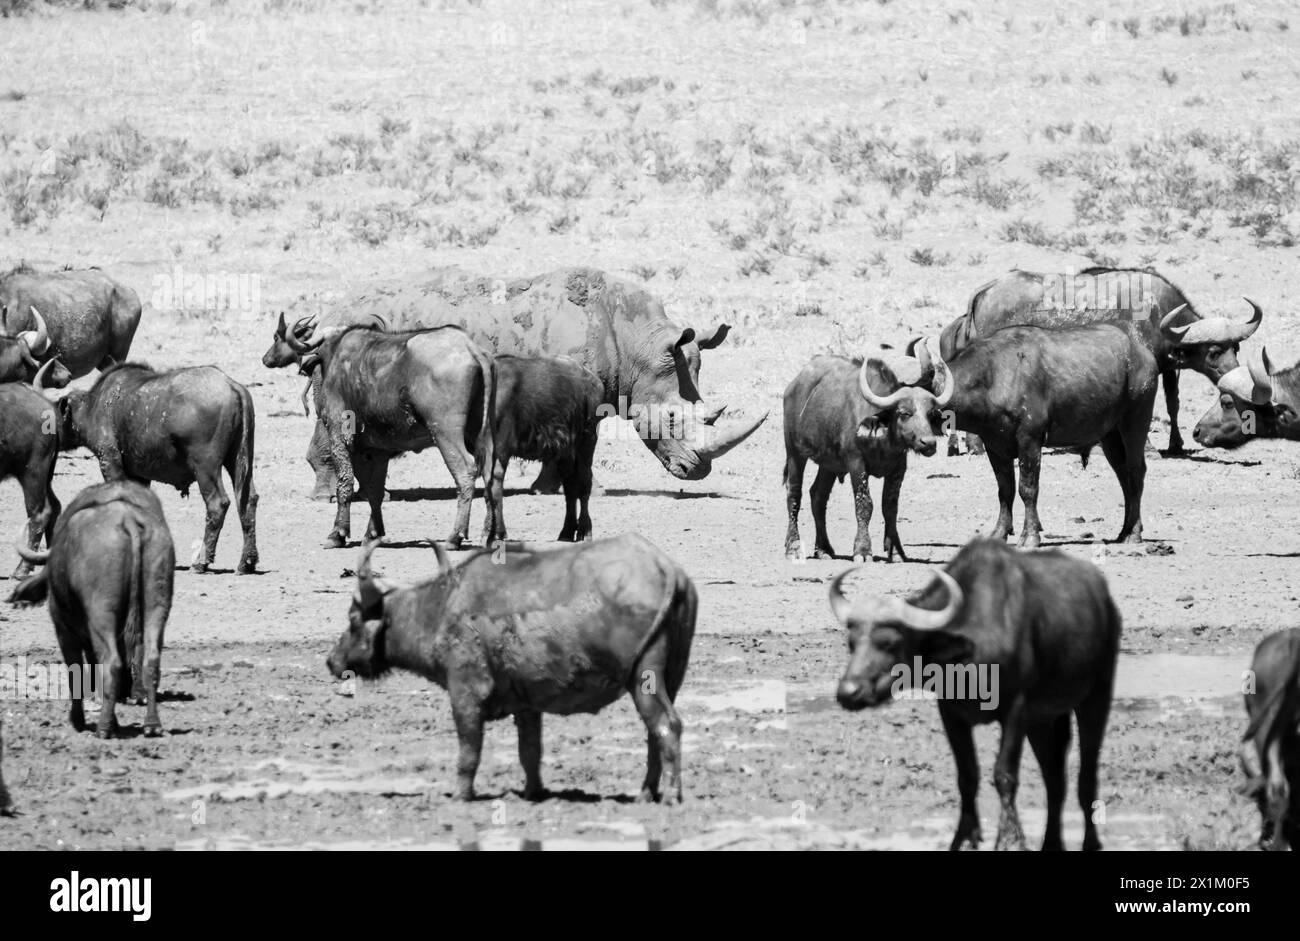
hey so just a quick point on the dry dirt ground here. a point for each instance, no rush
(823, 233)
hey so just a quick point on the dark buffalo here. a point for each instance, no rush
(384, 394)
(1176, 334)
(558, 631)
(1255, 401)
(29, 448)
(21, 354)
(1044, 631)
(616, 329)
(857, 418)
(108, 576)
(177, 427)
(1022, 388)
(546, 410)
(1271, 753)
(92, 318)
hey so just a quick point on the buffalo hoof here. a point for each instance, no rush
(455, 540)
(322, 496)
(103, 733)
(22, 571)
(535, 793)
(246, 567)
(334, 541)
(153, 731)
(199, 568)
(1130, 538)
(824, 552)
(648, 796)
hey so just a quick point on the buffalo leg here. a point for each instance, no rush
(343, 489)
(468, 715)
(371, 472)
(40, 522)
(1169, 379)
(103, 633)
(494, 517)
(893, 486)
(464, 469)
(1006, 778)
(1091, 715)
(819, 495)
(548, 479)
(794, 468)
(1004, 468)
(584, 484)
(577, 493)
(1051, 744)
(961, 739)
(321, 460)
(5, 801)
(1135, 428)
(528, 723)
(1031, 460)
(663, 737)
(73, 656)
(217, 502)
(1277, 792)
(156, 608)
(862, 508)
(1112, 445)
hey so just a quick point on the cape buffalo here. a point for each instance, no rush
(1176, 334)
(1021, 638)
(108, 576)
(29, 448)
(177, 427)
(617, 329)
(1025, 387)
(92, 317)
(1271, 753)
(557, 631)
(857, 418)
(546, 410)
(383, 394)
(1255, 401)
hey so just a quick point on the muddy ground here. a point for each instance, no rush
(316, 143)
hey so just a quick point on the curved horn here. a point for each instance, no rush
(949, 385)
(363, 563)
(923, 619)
(40, 373)
(29, 555)
(841, 607)
(881, 402)
(1261, 372)
(711, 415)
(720, 442)
(1242, 331)
(304, 325)
(444, 563)
(38, 340)
(300, 346)
(1219, 329)
(1166, 322)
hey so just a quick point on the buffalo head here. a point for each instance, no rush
(1208, 345)
(885, 631)
(21, 352)
(680, 428)
(360, 651)
(281, 353)
(1255, 401)
(910, 415)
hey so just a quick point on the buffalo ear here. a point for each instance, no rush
(280, 327)
(688, 336)
(716, 337)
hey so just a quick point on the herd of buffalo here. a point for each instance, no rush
(486, 369)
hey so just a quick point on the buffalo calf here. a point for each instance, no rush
(1270, 754)
(546, 410)
(177, 427)
(108, 577)
(560, 631)
(1021, 638)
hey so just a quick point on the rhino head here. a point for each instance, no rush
(664, 402)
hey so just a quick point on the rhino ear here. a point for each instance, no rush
(688, 336)
(713, 339)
